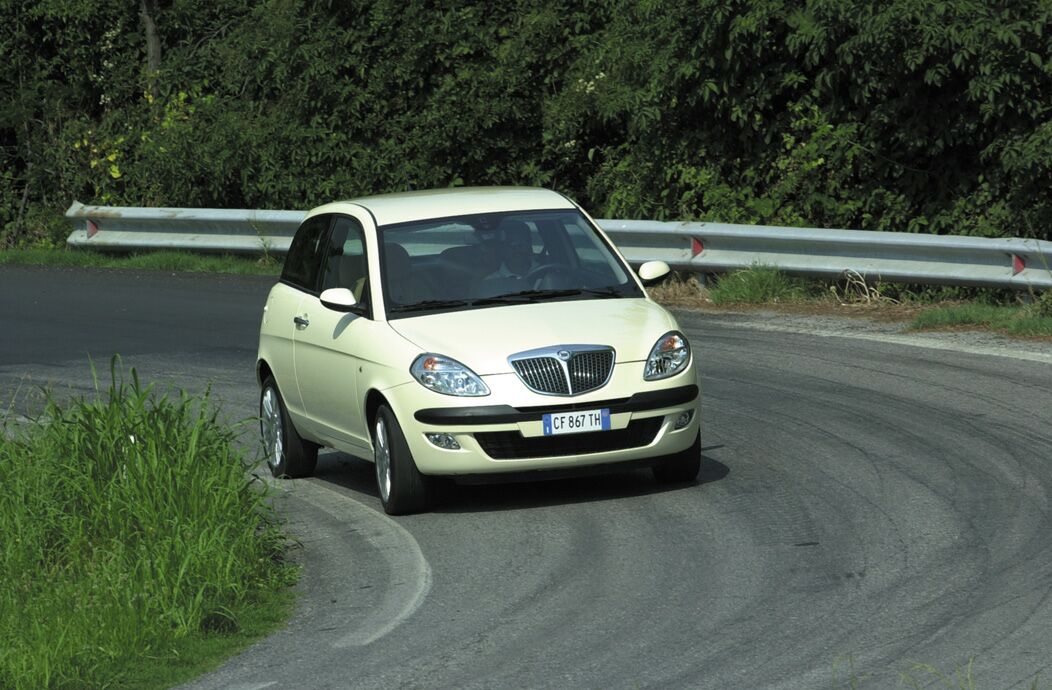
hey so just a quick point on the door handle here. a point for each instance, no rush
(301, 321)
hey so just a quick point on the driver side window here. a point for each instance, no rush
(301, 263)
(345, 262)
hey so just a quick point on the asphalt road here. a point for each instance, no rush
(859, 498)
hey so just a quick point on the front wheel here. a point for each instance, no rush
(402, 488)
(682, 466)
(287, 454)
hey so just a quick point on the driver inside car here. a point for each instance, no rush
(514, 248)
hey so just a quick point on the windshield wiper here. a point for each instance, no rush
(525, 296)
(528, 296)
(603, 292)
(431, 304)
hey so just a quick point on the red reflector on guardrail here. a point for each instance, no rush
(1017, 264)
(92, 228)
(696, 247)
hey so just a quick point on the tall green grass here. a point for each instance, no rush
(1025, 321)
(128, 525)
(758, 285)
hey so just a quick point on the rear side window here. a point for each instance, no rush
(304, 258)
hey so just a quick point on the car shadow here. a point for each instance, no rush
(357, 475)
(347, 471)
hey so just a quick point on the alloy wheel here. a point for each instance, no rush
(270, 424)
(382, 454)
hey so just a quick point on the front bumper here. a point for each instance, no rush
(509, 439)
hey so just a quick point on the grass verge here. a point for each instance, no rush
(1034, 319)
(135, 549)
(155, 261)
(923, 307)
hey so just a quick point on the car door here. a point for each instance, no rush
(328, 342)
(298, 278)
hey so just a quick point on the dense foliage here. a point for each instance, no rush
(908, 114)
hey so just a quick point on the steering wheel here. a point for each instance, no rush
(541, 275)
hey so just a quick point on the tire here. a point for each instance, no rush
(401, 487)
(680, 467)
(288, 455)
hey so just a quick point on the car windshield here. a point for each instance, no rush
(484, 260)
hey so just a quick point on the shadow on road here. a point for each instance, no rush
(357, 475)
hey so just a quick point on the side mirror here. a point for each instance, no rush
(653, 271)
(338, 299)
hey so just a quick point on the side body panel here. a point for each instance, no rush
(327, 372)
(341, 356)
(276, 342)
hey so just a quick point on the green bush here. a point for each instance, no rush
(900, 115)
(127, 523)
(1042, 305)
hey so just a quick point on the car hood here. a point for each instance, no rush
(482, 339)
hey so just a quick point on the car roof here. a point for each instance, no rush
(403, 207)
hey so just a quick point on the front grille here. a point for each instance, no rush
(587, 368)
(512, 445)
(590, 370)
(542, 374)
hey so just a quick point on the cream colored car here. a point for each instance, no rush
(473, 334)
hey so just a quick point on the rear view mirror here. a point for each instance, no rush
(653, 271)
(338, 299)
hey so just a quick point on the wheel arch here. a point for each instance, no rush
(263, 371)
(373, 400)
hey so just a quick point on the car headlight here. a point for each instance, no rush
(447, 376)
(670, 355)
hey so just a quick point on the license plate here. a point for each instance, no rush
(576, 422)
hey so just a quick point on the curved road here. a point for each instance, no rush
(859, 498)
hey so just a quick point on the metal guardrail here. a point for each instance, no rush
(887, 256)
(692, 246)
(228, 231)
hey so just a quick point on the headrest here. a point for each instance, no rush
(516, 232)
(396, 257)
(470, 259)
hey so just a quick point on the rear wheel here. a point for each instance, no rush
(402, 488)
(287, 454)
(682, 466)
